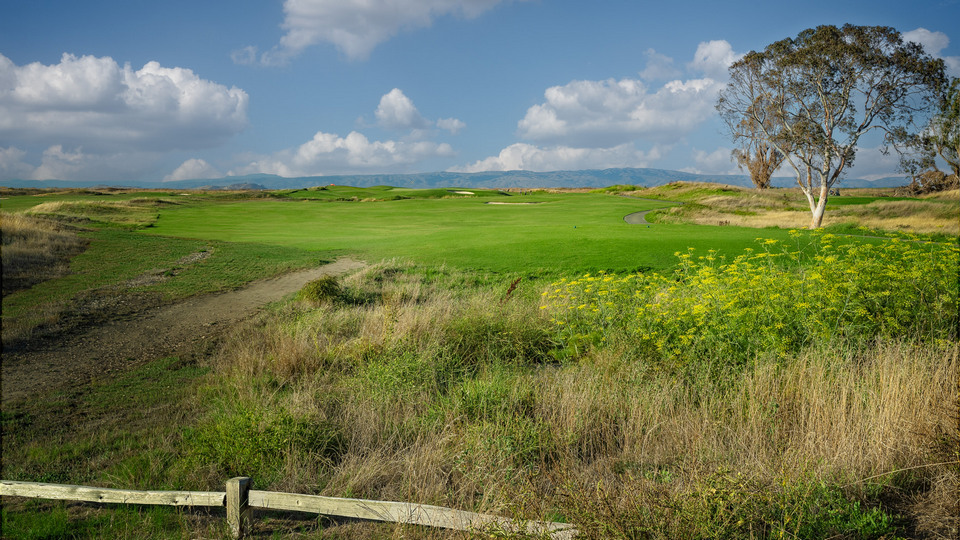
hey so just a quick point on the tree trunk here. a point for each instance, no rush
(817, 211)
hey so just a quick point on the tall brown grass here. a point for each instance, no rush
(775, 209)
(35, 249)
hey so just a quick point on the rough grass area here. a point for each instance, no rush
(135, 213)
(35, 250)
(474, 399)
(707, 204)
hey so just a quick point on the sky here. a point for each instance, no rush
(130, 90)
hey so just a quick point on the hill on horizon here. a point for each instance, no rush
(489, 180)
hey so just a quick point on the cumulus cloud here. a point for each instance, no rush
(95, 102)
(328, 153)
(717, 162)
(934, 43)
(599, 123)
(397, 111)
(713, 59)
(62, 163)
(452, 125)
(355, 27)
(193, 169)
(597, 114)
(527, 157)
(608, 113)
(12, 165)
(659, 67)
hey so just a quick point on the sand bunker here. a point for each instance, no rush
(514, 203)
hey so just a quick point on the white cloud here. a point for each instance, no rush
(602, 114)
(933, 43)
(716, 162)
(328, 153)
(452, 125)
(193, 169)
(608, 113)
(247, 56)
(527, 157)
(714, 58)
(659, 67)
(60, 163)
(105, 107)
(12, 166)
(397, 111)
(355, 27)
(597, 124)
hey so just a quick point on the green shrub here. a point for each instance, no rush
(320, 291)
(255, 443)
(772, 301)
(725, 505)
(489, 338)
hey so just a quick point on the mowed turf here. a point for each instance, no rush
(557, 232)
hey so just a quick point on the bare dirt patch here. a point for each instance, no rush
(103, 350)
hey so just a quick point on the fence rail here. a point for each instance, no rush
(240, 501)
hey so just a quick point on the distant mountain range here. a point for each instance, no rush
(489, 180)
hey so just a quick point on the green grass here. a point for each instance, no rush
(849, 201)
(48, 520)
(121, 431)
(561, 232)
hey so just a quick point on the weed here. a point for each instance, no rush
(252, 443)
(322, 290)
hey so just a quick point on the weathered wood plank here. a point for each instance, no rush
(396, 512)
(401, 512)
(39, 490)
(238, 505)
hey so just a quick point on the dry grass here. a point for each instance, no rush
(609, 431)
(952, 195)
(787, 209)
(35, 249)
(134, 212)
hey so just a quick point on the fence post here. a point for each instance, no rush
(238, 505)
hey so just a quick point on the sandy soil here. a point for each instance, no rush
(186, 328)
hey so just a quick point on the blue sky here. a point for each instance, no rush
(134, 90)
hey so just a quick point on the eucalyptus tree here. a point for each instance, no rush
(940, 139)
(814, 96)
(754, 152)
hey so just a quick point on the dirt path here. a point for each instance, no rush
(173, 330)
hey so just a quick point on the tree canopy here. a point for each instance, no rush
(940, 139)
(814, 96)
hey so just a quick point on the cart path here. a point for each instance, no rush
(184, 328)
(640, 218)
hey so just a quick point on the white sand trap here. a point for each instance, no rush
(464, 193)
(514, 203)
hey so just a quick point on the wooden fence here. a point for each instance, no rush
(240, 501)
